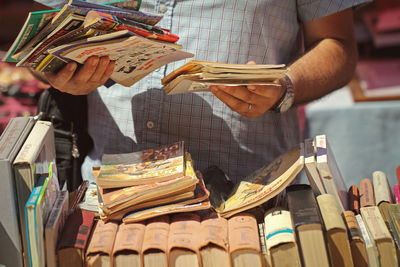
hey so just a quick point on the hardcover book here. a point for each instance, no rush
(11, 141)
(155, 242)
(370, 246)
(366, 188)
(357, 245)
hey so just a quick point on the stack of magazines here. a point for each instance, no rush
(52, 38)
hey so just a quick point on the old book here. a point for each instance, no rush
(384, 208)
(37, 210)
(54, 226)
(330, 172)
(380, 234)
(244, 244)
(354, 199)
(155, 242)
(280, 238)
(263, 184)
(100, 246)
(366, 189)
(74, 238)
(35, 154)
(370, 246)
(396, 193)
(128, 245)
(265, 256)
(11, 141)
(308, 225)
(183, 241)
(214, 248)
(357, 245)
(310, 166)
(336, 231)
(142, 167)
(195, 75)
(382, 191)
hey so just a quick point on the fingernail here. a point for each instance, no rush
(94, 61)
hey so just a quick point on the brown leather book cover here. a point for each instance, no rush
(74, 238)
(156, 234)
(183, 232)
(101, 243)
(357, 245)
(366, 190)
(129, 238)
(214, 230)
(243, 232)
(354, 199)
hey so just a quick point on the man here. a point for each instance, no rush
(238, 128)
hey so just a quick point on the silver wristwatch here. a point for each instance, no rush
(287, 100)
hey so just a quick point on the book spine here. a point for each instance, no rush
(367, 197)
(396, 193)
(12, 134)
(381, 186)
(354, 199)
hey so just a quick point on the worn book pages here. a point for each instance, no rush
(214, 248)
(244, 244)
(101, 244)
(336, 231)
(357, 245)
(280, 238)
(381, 235)
(155, 242)
(183, 240)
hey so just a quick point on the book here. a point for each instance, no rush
(265, 256)
(74, 238)
(396, 193)
(155, 242)
(34, 156)
(244, 244)
(264, 183)
(128, 245)
(54, 226)
(329, 172)
(101, 244)
(384, 208)
(370, 246)
(310, 166)
(90, 201)
(280, 238)
(357, 245)
(398, 174)
(34, 22)
(37, 210)
(183, 243)
(213, 235)
(11, 141)
(142, 167)
(308, 225)
(381, 235)
(197, 76)
(354, 199)
(336, 231)
(367, 197)
(381, 187)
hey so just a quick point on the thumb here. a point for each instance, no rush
(251, 62)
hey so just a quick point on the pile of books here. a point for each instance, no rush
(140, 185)
(50, 39)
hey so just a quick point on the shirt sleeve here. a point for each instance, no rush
(309, 10)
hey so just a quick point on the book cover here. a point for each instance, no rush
(357, 245)
(128, 245)
(244, 243)
(74, 238)
(34, 156)
(366, 189)
(183, 242)
(336, 231)
(370, 246)
(381, 187)
(142, 167)
(308, 225)
(280, 238)
(101, 244)
(214, 242)
(11, 141)
(310, 166)
(155, 242)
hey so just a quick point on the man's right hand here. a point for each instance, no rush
(81, 81)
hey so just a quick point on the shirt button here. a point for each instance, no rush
(163, 8)
(150, 124)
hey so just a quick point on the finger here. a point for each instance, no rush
(107, 73)
(100, 69)
(86, 71)
(272, 91)
(229, 100)
(58, 80)
(240, 92)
